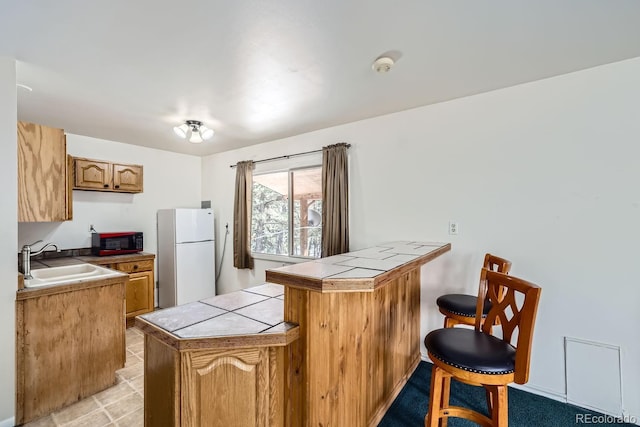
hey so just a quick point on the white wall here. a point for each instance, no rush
(8, 236)
(545, 174)
(170, 180)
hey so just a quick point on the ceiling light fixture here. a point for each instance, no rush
(194, 131)
(383, 64)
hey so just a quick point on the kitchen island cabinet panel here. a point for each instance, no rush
(69, 343)
(161, 383)
(237, 387)
(359, 320)
(242, 375)
(369, 342)
(218, 376)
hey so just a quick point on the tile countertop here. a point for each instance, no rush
(57, 261)
(362, 270)
(250, 317)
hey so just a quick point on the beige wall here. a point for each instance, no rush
(8, 236)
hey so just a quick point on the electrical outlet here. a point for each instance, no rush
(453, 227)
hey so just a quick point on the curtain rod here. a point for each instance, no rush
(287, 156)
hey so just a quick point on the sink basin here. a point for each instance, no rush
(68, 274)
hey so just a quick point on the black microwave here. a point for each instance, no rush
(126, 242)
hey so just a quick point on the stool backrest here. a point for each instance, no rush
(495, 263)
(516, 309)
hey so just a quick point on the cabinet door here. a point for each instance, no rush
(92, 174)
(139, 293)
(127, 178)
(42, 173)
(226, 388)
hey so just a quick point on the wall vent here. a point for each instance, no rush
(593, 375)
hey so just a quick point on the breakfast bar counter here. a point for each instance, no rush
(359, 320)
(328, 342)
(218, 361)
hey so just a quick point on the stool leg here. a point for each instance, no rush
(446, 391)
(449, 322)
(500, 413)
(488, 391)
(435, 398)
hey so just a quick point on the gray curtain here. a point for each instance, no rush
(335, 200)
(242, 216)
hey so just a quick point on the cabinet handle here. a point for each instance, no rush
(116, 186)
(106, 186)
(135, 267)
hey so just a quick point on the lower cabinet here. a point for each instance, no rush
(69, 343)
(140, 291)
(235, 387)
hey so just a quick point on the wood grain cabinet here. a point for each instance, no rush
(140, 290)
(44, 190)
(70, 341)
(236, 387)
(99, 175)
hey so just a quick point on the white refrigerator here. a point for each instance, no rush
(186, 256)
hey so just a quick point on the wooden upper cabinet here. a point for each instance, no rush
(105, 176)
(43, 190)
(127, 178)
(92, 174)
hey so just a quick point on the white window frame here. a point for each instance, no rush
(285, 258)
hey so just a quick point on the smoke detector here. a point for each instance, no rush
(382, 64)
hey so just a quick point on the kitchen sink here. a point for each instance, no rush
(68, 274)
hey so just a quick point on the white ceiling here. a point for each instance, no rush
(259, 70)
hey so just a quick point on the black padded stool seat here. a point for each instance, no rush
(471, 350)
(460, 309)
(462, 305)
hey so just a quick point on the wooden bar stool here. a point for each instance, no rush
(476, 357)
(460, 309)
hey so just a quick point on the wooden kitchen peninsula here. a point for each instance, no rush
(332, 347)
(219, 361)
(359, 320)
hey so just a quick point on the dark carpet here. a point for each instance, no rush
(525, 409)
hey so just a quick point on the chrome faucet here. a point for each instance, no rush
(27, 254)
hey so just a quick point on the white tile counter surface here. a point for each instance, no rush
(251, 311)
(370, 263)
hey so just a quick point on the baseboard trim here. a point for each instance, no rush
(9, 422)
(541, 391)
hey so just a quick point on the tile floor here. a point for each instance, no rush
(121, 405)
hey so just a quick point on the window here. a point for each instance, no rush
(286, 213)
